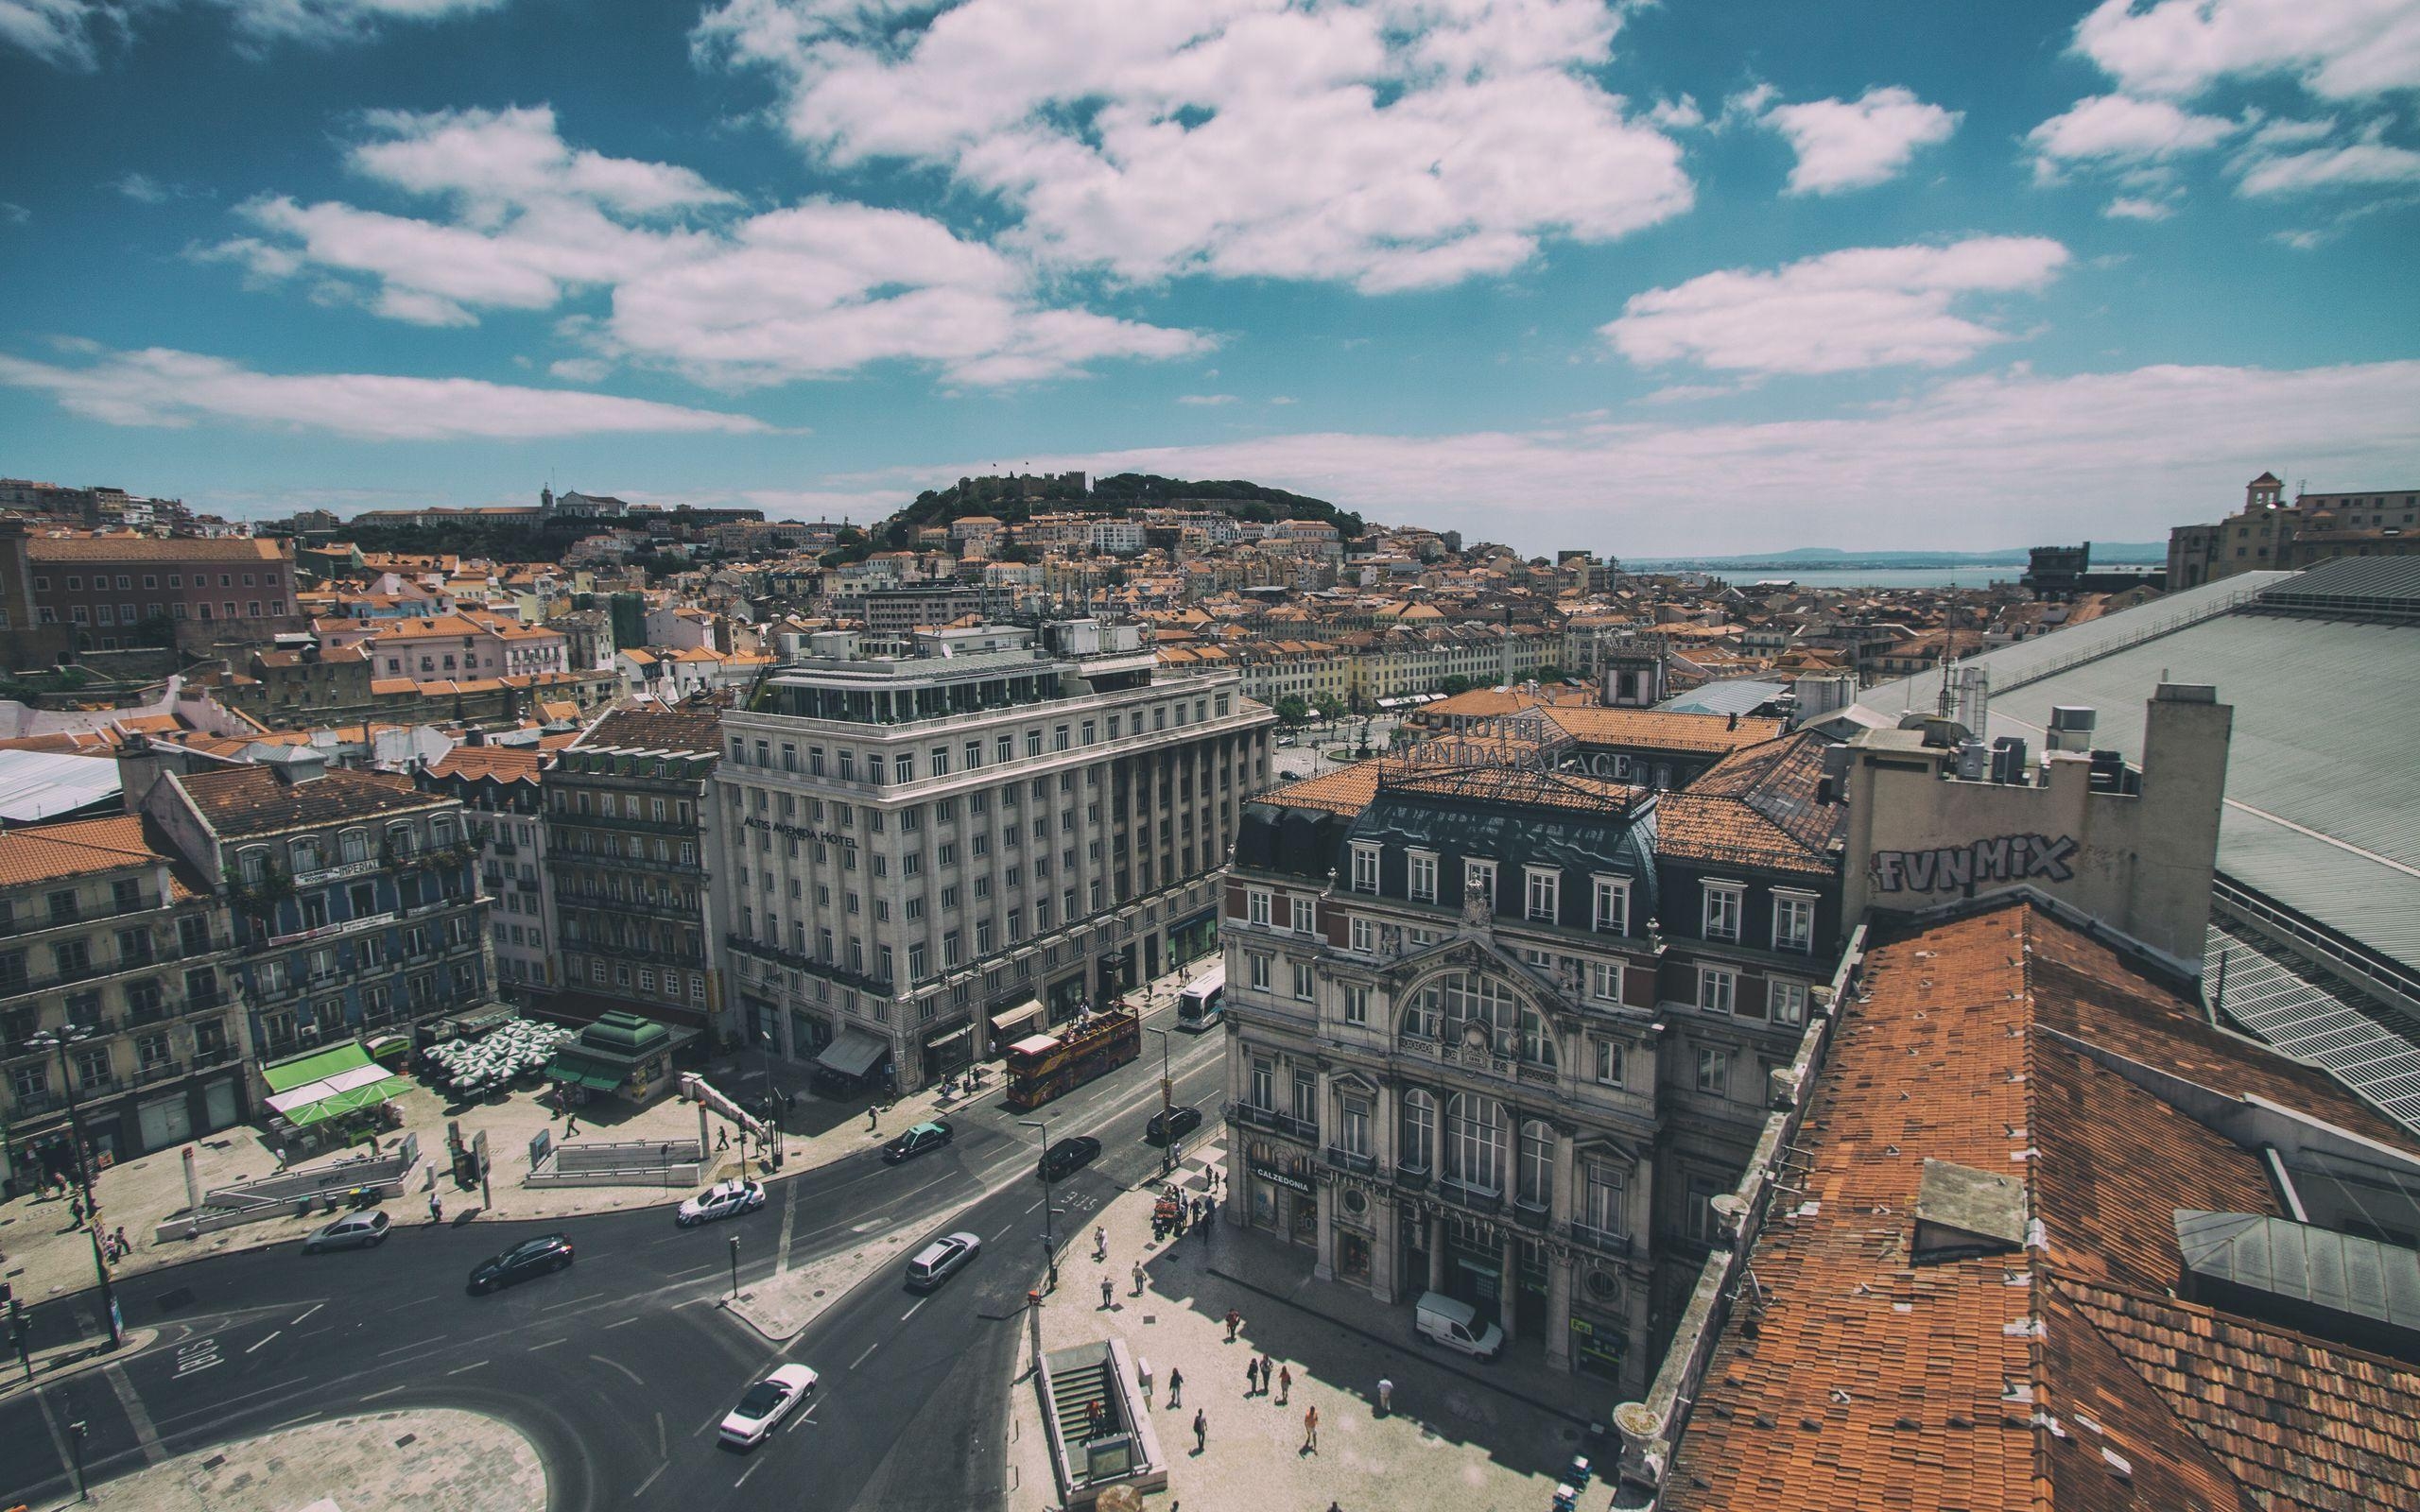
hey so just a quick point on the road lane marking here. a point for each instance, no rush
(274, 1333)
(1037, 1202)
(417, 1302)
(650, 1480)
(693, 1270)
(861, 1359)
(406, 1349)
(624, 1323)
(388, 1392)
(548, 1345)
(911, 1311)
(145, 1434)
(307, 1311)
(619, 1366)
(743, 1476)
(198, 1356)
(555, 1307)
(466, 1370)
(662, 1451)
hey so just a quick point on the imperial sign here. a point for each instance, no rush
(2007, 858)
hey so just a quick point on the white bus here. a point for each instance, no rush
(1203, 1000)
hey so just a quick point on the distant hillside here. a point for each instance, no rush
(1113, 496)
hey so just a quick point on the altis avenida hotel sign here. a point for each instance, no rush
(2004, 858)
(800, 832)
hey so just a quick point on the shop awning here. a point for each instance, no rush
(302, 1071)
(355, 1086)
(947, 1035)
(852, 1054)
(574, 1069)
(1017, 1018)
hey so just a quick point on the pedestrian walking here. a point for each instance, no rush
(436, 1208)
(1267, 1377)
(1138, 1277)
(872, 1120)
(1311, 1429)
(1386, 1397)
(1201, 1430)
(1284, 1383)
(1252, 1376)
(122, 1248)
(1091, 1418)
(1234, 1320)
(1108, 1293)
(74, 1212)
(722, 1139)
(1101, 1243)
(1176, 1387)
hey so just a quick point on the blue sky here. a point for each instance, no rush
(1648, 280)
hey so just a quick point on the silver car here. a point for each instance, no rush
(360, 1231)
(936, 1261)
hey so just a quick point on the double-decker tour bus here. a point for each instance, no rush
(1042, 1066)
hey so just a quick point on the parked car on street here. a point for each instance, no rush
(765, 1405)
(934, 1263)
(1171, 1123)
(724, 1199)
(360, 1231)
(531, 1257)
(916, 1139)
(1067, 1156)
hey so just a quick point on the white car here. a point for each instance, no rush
(767, 1404)
(724, 1199)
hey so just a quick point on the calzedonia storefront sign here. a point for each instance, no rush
(1279, 1178)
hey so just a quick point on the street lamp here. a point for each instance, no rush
(735, 1267)
(1168, 1107)
(1049, 1245)
(75, 1432)
(59, 1040)
(772, 1103)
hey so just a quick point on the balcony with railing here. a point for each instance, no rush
(1356, 1161)
(1476, 1199)
(1603, 1241)
(1308, 1130)
(158, 1071)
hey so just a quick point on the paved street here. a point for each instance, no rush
(618, 1369)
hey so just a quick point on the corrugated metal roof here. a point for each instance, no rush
(1737, 697)
(2266, 992)
(2323, 784)
(37, 784)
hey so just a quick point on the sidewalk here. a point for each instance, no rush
(436, 1460)
(61, 1361)
(1462, 1437)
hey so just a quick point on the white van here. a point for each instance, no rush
(1455, 1326)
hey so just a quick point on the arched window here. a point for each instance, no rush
(354, 845)
(1418, 1134)
(1537, 1165)
(1419, 1013)
(306, 854)
(253, 865)
(1537, 1039)
(1475, 1141)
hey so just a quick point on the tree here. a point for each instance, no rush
(1454, 684)
(1328, 707)
(1292, 711)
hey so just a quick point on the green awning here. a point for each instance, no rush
(300, 1070)
(347, 1101)
(571, 1067)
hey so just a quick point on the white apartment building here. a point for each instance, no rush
(932, 842)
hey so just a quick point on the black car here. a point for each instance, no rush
(930, 1135)
(1171, 1123)
(1068, 1155)
(531, 1257)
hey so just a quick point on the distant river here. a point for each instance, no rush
(1882, 576)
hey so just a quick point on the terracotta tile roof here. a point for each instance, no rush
(1520, 785)
(40, 853)
(1656, 729)
(251, 799)
(2057, 1373)
(695, 726)
(1346, 790)
(1757, 807)
(70, 549)
(502, 763)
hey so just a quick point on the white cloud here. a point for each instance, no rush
(1992, 460)
(1859, 143)
(811, 290)
(1866, 307)
(1206, 399)
(2340, 49)
(2134, 207)
(14, 213)
(1389, 143)
(157, 386)
(2364, 164)
(2119, 130)
(69, 33)
(140, 188)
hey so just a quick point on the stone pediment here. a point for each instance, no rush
(1479, 952)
